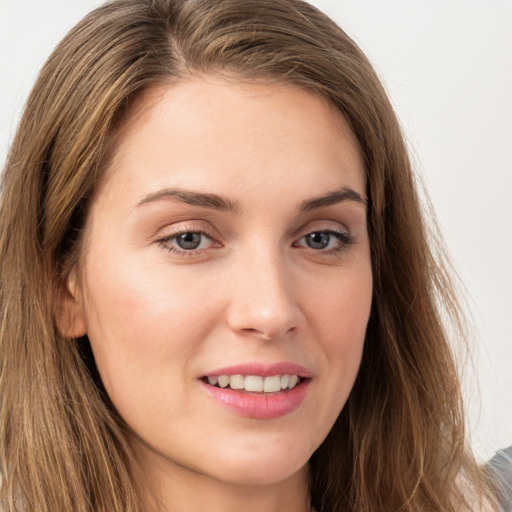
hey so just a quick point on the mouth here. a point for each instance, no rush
(255, 383)
(259, 392)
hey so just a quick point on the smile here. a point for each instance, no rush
(255, 383)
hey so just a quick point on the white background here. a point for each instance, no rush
(447, 65)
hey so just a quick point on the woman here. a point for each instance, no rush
(216, 286)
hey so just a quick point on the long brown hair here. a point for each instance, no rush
(399, 442)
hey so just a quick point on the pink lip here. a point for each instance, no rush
(265, 370)
(260, 405)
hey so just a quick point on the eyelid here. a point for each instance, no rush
(186, 226)
(321, 225)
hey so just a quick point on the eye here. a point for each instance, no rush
(318, 240)
(188, 242)
(328, 240)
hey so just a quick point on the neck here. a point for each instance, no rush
(174, 488)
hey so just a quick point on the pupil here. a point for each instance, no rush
(318, 240)
(189, 240)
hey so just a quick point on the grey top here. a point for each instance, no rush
(500, 469)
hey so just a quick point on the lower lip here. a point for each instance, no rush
(260, 405)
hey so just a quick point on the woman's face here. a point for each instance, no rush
(228, 243)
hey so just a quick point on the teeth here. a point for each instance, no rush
(272, 384)
(236, 382)
(255, 383)
(223, 381)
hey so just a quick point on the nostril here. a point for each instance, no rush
(267, 335)
(255, 332)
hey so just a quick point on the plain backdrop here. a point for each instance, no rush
(447, 65)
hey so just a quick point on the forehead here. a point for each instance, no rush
(224, 129)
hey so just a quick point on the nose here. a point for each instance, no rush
(263, 298)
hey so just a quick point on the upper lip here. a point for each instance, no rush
(263, 369)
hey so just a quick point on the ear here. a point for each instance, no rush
(70, 313)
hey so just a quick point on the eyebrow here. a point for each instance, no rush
(218, 202)
(206, 200)
(331, 198)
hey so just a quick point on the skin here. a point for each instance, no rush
(159, 317)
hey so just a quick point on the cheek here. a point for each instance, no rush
(142, 321)
(342, 309)
(136, 295)
(342, 314)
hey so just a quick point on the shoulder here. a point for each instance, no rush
(500, 470)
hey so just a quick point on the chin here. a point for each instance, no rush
(261, 475)
(265, 467)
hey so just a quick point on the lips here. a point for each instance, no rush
(259, 391)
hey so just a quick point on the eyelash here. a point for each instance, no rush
(344, 238)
